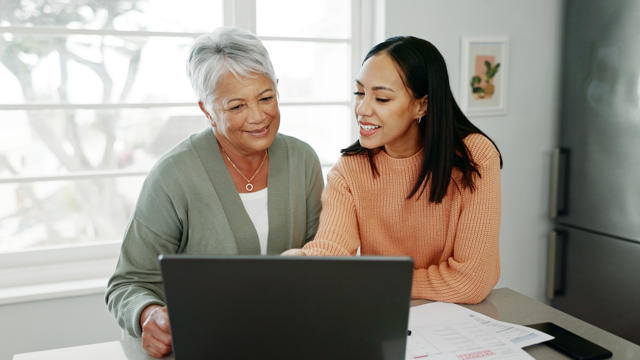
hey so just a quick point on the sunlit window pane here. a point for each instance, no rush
(55, 213)
(53, 142)
(295, 18)
(311, 71)
(130, 15)
(326, 128)
(42, 68)
(94, 69)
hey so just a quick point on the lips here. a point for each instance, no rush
(263, 131)
(367, 128)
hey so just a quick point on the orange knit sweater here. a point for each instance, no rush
(454, 244)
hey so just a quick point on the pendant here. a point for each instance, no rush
(249, 187)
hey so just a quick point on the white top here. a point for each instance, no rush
(256, 205)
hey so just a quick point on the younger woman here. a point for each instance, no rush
(422, 181)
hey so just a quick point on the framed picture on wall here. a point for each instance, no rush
(484, 75)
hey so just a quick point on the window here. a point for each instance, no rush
(94, 91)
(312, 57)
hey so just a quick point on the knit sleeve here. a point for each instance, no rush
(338, 233)
(474, 267)
(155, 229)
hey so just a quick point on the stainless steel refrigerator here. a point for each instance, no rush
(594, 250)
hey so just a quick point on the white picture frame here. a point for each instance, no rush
(484, 87)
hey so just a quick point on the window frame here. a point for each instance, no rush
(52, 272)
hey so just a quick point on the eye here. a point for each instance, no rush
(382, 100)
(266, 99)
(236, 108)
(358, 93)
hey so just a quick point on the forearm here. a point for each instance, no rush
(156, 228)
(320, 247)
(128, 302)
(473, 267)
(451, 281)
(136, 282)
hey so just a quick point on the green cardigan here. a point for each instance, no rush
(189, 205)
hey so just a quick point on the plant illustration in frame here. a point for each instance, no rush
(483, 76)
(482, 81)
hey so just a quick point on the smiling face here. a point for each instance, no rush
(245, 115)
(386, 110)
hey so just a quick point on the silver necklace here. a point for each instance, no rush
(249, 185)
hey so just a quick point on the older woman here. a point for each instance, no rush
(238, 187)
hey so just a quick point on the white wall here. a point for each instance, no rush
(41, 325)
(528, 132)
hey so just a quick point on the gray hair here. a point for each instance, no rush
(225, 49)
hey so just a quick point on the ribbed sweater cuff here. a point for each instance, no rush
(136, 308)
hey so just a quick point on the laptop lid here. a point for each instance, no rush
(287, 307)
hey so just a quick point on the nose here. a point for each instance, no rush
(363, 106)
(256, 114)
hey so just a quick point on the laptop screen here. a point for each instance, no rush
(287, 307)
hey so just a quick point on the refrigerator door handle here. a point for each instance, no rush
(551, 264)
(556, 262)
(559, 183)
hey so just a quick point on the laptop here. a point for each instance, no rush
(285, 307)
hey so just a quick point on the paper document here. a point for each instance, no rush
(518, 335)
(449, 331)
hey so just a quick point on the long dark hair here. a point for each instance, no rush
(424, 72)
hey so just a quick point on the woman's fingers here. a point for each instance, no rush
(156, 342)
(155, 347)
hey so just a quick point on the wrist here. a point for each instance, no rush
(293, 252)
(146, 313)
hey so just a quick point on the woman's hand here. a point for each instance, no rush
(293, 252)
(156, 333)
